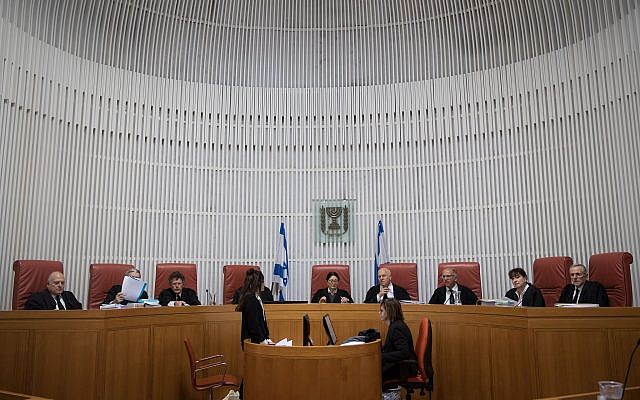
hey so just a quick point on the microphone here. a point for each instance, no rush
(209, 302)
(626, 377)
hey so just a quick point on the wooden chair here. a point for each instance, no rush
(209, 382)
(234, 279)
(319, 277)
(551, 275)
(163, 271)
(405, 275)
(468, 275)
(31, 276)
(613, 271)
(101, 278)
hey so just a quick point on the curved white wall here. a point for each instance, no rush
(503, 165)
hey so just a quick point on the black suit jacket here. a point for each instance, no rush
(592, 292)
(115, 289)
(45, 301)
(265, 295)
(336, 299)
(254, 323)
(189, 296)
(467, 297)
(399, 293)
(532, 297)
(398, 347)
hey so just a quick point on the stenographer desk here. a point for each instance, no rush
(478, 352)
(318, 372)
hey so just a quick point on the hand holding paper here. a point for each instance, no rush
(132, 288)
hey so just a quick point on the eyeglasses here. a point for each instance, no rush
(333, 280)
(447, 276)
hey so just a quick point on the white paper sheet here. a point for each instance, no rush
(132, 288)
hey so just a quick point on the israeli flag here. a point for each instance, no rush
(281, 267)
(382, 252)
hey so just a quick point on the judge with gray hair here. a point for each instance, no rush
(583, 291)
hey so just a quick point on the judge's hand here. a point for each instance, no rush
(179, 303)
(119, 298)
(323, 299)
(383, 290)
(344, 300)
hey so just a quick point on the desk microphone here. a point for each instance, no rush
(624, 385)
(209, 300)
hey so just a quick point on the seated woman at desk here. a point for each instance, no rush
(398, 345)
(524, 293)
(331, 294)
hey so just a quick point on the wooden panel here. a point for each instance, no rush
(128, 358)
(62, 359)
(585, 354)
(479, 352)
(171, 371)
(511, 364)
(18, 396)
(222, 336)
(319, 372)
(463, 356)
(622, 343)
(15, 362)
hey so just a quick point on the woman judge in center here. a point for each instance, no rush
(398, 344)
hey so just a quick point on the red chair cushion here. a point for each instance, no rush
(101, 278)
(31, 276)
(468, 275)
(613, 271)
(164, 270)
(319, 277)
(405, 275)
(551, 275)
(234, 279)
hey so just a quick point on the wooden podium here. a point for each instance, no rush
(314, 372)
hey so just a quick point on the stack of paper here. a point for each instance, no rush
(110, 306)
(285, 342)
(505, 302)
(580, 305)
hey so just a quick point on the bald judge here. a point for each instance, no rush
(54, 297)
(386, 289)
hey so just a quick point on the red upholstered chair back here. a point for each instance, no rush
(164, 270)
(405, 275)
(31, 276)
(319, 277)
(468, 275)
(613, 271)
(424, 346)
(101, 278)
(234, 279)
(551, 275)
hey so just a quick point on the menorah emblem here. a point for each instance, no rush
(338, 220)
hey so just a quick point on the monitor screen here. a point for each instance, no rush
(306, 331)
(328, 328)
